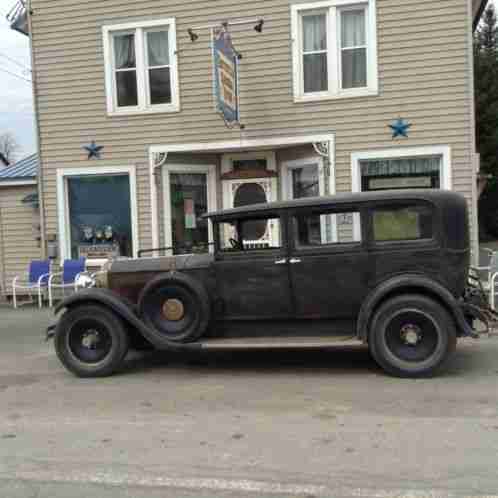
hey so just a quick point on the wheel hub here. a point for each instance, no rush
(90, 339)
(173, 310)
(411, 334)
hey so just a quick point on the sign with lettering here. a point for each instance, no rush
(226, 84)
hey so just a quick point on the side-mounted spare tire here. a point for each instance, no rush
(176, 307)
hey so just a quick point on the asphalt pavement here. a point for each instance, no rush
(274, 424)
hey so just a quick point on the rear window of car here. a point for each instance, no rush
(403, 223)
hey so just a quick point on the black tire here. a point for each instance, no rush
(190, 312)
(99, 359)
(412, 336)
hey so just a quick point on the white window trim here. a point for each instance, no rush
(210, 172)
(63, 205)
(288, 166)
(446, 180)
(139, 29)
(333, 43)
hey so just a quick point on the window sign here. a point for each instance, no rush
(226, 84)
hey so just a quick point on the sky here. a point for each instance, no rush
(16, 102)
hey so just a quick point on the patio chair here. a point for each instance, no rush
(488, 276)
(34, 281)
(67, 279)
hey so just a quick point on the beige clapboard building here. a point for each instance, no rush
(320, 83)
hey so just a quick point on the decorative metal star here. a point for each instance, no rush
(93, 150)
(400, 128)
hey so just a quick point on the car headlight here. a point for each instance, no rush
(85, 282)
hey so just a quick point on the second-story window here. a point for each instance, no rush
(141, 68)
(335, 49)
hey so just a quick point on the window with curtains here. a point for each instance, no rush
(141, 67)
(334, 50)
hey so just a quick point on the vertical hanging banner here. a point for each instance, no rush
(226, 78)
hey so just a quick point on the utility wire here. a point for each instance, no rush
(26, 68)
(14, 74)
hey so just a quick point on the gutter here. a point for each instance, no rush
(41, 198)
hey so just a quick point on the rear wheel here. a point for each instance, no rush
(91, 341)
(412, 336)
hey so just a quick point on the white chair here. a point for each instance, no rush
(72, 269)
(33, 281)
(488, 275)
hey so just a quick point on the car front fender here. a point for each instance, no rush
(125, 311)
(404, 284)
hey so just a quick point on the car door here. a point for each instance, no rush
(328, 263)
(253, 278)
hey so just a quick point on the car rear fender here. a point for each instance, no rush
(410, 284)
(125, 311)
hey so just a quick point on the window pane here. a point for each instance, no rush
(250, 235)
(315, 229)
(126, 82)
(404, 223)
(305, 182)
(354, 68)
(315, 73)
(314, 33)
(353, 28)
(124, 51)
(100, 216)
(189, 201)
(158, 48)
(160, 86)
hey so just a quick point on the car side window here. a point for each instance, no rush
(322, 228)
(250, 234)
(403, 223)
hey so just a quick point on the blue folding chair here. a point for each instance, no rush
(35, 280)
(67, 279)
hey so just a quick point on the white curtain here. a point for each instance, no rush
(314, 33)
(124, 50)
(353, 28)
(315, 65)
(158, 48)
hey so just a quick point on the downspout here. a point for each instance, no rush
(41, 198)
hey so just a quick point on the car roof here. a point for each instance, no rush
(440, 197)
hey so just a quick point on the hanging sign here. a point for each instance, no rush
(226, 84)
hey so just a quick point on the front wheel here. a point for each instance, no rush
(91, 341)
(412, 336)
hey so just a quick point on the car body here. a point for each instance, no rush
(388, 269)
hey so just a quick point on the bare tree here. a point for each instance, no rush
(9, 146)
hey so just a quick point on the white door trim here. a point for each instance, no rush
(227, 159)
(288, 166)
(242, 144)
(63, 205)
(210, 172)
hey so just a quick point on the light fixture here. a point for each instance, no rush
(193, 36)
(259, 27)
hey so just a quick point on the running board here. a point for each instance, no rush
(278, 342)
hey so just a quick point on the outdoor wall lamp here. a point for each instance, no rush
(225, 25)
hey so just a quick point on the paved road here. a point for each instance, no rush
(290, 424)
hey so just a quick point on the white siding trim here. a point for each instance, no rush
(142, 86)
(210, 172)
(20, 183)
(62, 203)
(333, 47)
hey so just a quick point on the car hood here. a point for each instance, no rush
(170, 263)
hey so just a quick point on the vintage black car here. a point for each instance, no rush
(387, 269)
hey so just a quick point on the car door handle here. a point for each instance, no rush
(294, 261)
(281, 261)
